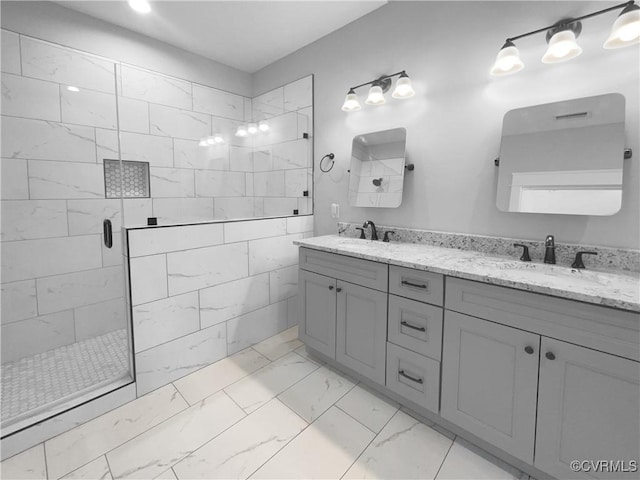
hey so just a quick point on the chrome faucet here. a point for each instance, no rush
(374, 234)
(550, 250)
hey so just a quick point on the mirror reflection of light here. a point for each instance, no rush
(140, 6)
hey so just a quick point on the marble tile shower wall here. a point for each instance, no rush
(60, 284)
(56, 273)
(205, 291)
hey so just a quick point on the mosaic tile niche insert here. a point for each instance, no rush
(135, 179)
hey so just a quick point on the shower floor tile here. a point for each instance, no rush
(34, 382)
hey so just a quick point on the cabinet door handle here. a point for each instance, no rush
(339, 289)
(408, 325)
(410, 284)
(413, 379)
(550, 355)
(528, 349)
(330, 287)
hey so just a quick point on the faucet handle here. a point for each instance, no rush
(577, 263)
(386, 235)
(525, 252)
(549, 241)
(362, 235)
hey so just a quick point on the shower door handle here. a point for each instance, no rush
(108, 233)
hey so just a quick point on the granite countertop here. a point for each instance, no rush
(607, 288)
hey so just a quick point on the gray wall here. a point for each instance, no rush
(454, 123)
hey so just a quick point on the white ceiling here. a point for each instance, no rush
(247, 35)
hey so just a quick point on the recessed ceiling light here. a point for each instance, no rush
(73, 89)
(140, 6)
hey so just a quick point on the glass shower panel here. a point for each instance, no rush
(65, 334)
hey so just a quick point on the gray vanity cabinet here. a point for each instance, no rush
(317, 325)
(587, 410)
(343, 305)
(361, 336)
(489, 382)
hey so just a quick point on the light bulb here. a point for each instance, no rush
(508, 61)
(218, 138)
(562, 47)
(140, 6)
(351, 103)
(403, 87)
(626, 29)
(252, 129)
(71, 88)
(203, 142)
(263, 126)
(210, 141)
(376, 96)
(241, 131)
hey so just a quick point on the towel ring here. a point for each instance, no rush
(331, 157)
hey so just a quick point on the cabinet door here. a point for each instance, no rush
(361, 337)
(489, 382)
(317, 295)
(588, 409)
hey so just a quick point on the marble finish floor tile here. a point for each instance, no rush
(325, 449)
(260, 387)
(95, 470)
(280, 344)
(167, 475)
(370, 409)
(243, 448)
(405, 448)
(355, 433)
(29, 464)
(164, 445)
(78, 446)
(302, 351)
(37, 381)
(316, 393)
(466, 461)
(209, 380)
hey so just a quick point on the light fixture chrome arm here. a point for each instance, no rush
(379, 79)
(572, 20)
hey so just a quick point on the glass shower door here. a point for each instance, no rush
(65, 333)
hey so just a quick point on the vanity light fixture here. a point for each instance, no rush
(211, 140)
(71, 88)
(562, 36)
(252, 128)
(379, 87)
(140, 6)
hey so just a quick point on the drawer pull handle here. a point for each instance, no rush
(550, 355)
(330, 287)
(410, 284)
(413, 379)
(408, 325)
(339, 289)
(528, 349)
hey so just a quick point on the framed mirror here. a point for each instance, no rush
(377, 169)
(564, 157)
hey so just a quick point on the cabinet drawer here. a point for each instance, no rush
(416, 326)
(353, 270)
(601, 328)
(417, 284)
(415, 377)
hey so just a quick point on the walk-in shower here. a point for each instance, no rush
(80, 161)
(65, 335)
